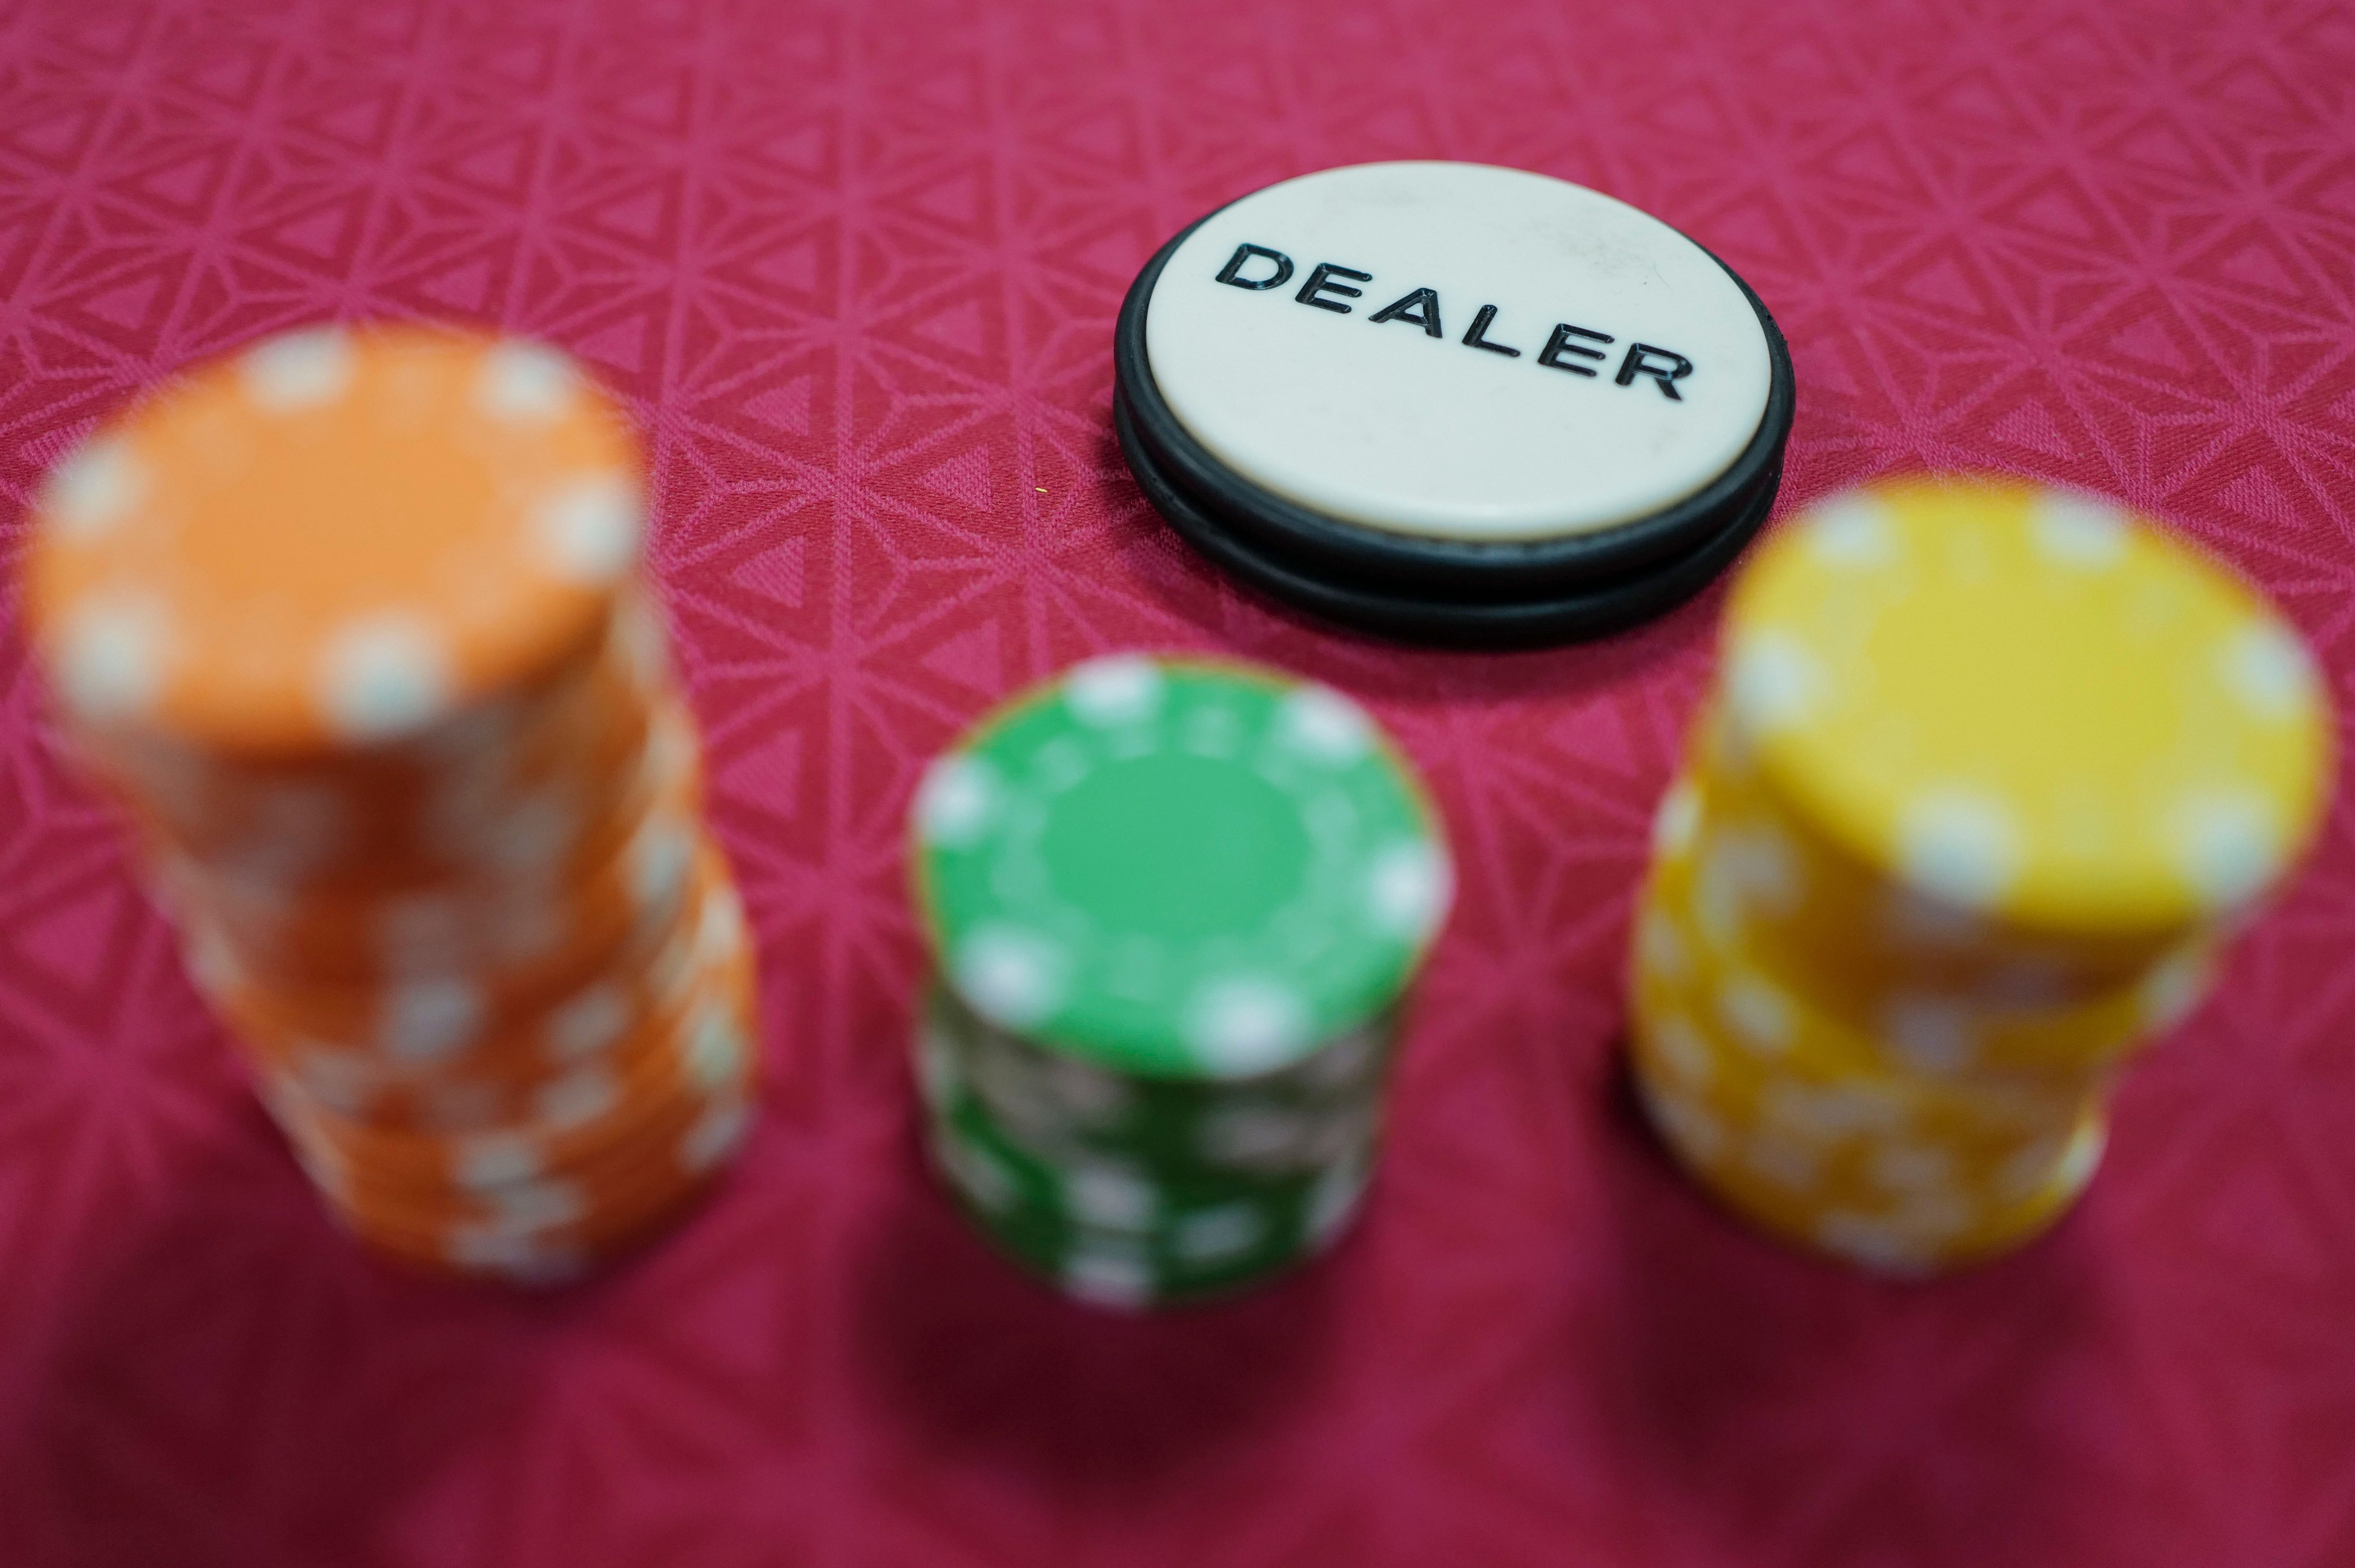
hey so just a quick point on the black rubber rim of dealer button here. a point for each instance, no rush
(1597, 610)
(1399, 585)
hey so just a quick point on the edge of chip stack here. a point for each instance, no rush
(1175, 907)
(1993, 774)
(353, 627)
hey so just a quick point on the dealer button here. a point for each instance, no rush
(1456, 401)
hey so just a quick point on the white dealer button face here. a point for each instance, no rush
(1341, 340)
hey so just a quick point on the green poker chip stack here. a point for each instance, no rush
(1175, 907)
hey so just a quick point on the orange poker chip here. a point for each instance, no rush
(517, 931)
(352, 626)
(578, 1211)
(517, 785)
(437, 1018)
(564, 1063)
(696, 1042)
(634, 1174)
(643, 1171)
(540, 1200)
(535, 1256)
(556, 1056)
(334, 541)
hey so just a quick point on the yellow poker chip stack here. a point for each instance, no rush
(1992, 772)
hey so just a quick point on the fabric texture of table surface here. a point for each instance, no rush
(856, 269)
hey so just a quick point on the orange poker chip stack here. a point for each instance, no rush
(354, 627)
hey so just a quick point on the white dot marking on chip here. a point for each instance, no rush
(529, 835)
(382, 676)
(937, 1078)
(298, 369)
(2079, 531)
(1115, 1199)
(1115, 690)
(1221, 1235)
(2269, 669)
(1240, 1025)
(1756, 1012)
(1116, 1279)
(1757, 864)
(644, 642)
(496, 1159)
(1013, 1089)
(1774, 683)
(544, 1267)
(1085, 1094)
(1718, 901)
(978, 1173)
(525, 382)
(1686, 1126)
(1924, 1169)
(1334, 1200)
(1677, 821)
(1840, 1110)
(1254, 1136)
(1411, 889)
(1850, 531)
(343, 1080)
(93, 489)
(2172, 988)
(577, 1098)
(1682, 1051)
(2228, 845)
(591, 530)
(1658, 947)
(956, 802)
(538, 1206)
(1320, 722)
(111, 657)
(1346, 1060)
(718, 1052)
(660, 858)
(428, 1020)
(1012, 977)
(588, 1023)
(2079, 1161)
(715, 1134)
(213, 966)
(1874, 1242)
(720, 933)
(1959, 844)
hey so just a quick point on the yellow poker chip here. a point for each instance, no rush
(1991, 774)
(1781, 1110)
(1908, 993)
(1892, 1205)
(1780, 1031)
(2029, 705)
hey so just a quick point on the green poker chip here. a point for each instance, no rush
(1293, 1118)
(1112, 1235)
(1175, 908)
(1177, 869)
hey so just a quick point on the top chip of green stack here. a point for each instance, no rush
(1177, 869)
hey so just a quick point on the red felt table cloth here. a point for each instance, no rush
(857, 268)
